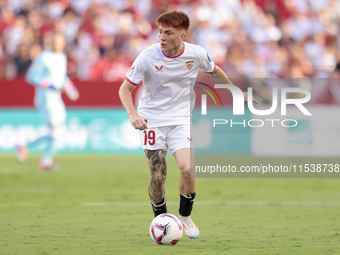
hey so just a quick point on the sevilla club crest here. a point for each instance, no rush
(189, 64)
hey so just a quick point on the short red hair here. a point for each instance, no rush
(176, 19)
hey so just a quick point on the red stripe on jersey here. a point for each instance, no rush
(178, 54)
(132, 83)
(212, 71)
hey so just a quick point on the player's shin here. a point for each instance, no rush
(159, 208)
(38, 141)
(50, 151)
(156, 194)
(186, 203)
(52, 146)
(158, 170)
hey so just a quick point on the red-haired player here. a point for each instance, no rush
(168, 70)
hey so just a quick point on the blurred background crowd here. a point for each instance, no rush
(247, 38)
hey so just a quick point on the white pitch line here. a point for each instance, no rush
(145, 203)
(22, 204)
(70, 190)
(226, 203)
(311, 203)
(117, 204)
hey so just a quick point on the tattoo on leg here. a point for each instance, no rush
(158, 170)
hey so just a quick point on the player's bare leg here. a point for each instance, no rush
(185, 159)
(158, 170)
(46, 162)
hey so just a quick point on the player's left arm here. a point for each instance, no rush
(221, 78)
(70, 89)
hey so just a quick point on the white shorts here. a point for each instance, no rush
(168, 137)
(53, 118)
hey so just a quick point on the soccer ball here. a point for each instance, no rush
(166, 228)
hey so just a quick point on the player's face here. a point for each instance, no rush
(58, 43)
(170, 38)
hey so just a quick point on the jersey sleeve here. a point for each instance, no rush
(206, 65)
(36, 73)
(137, 71)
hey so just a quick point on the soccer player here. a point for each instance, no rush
(48, 74)
(168, 70)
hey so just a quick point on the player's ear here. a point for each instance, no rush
(183, 35)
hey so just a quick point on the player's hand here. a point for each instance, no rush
(138, 122)
(72, 93)
(245, 94)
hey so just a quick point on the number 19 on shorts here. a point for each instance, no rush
(149, 137)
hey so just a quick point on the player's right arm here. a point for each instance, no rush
(36, 74)
(125, 97)
(133, 78)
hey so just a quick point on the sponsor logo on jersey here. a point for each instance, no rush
(159, 69)
(189, 139)
(189, 64)
(131, 69)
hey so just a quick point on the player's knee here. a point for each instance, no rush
(158, 180)
(185, 171)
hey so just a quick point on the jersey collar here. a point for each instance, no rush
(177, 54)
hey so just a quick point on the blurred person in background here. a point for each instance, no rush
(48, 74)
(335, 83)
(22, 60)
(217, 25)
(13, 34)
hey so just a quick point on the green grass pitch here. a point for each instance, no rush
(100, 205)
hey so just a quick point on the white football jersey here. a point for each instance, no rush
(168, 97)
